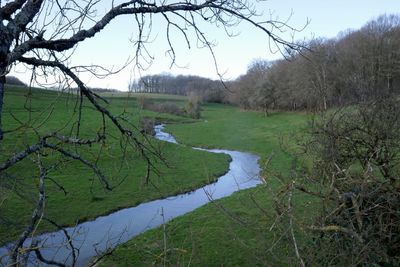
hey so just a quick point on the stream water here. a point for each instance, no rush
(94, 237)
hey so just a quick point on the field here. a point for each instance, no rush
(28, 112)
(235, 230)
(231, 231)
(161, 97)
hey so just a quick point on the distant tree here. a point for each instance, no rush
(356, 66)
(14, 81)
(266, 97)
(209, 90)
(245, 88)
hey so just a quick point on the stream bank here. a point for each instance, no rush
(108, 231)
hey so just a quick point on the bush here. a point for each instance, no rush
(356, 154)
(170, 108)
(147, 125)
(344, 210)
(164, 107)
(142, 102)
(193, 108)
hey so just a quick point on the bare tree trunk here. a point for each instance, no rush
(2, 82)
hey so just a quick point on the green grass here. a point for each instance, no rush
(213, 236)
(210, 235)
(225, 126)
(234, 231)
(161, 97)
(28, 112)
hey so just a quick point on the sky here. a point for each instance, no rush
(112, 47)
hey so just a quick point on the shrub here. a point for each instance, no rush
(164, 107)
(143, 102)
(147, 125)
(168, 107)
(356, 154)
(193, 108)
(344, 210)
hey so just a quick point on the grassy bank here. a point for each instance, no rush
(225, 126)
(237, 230)
(82, 197)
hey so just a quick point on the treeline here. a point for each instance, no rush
(353, 67)
(209, 90)
(12, 80)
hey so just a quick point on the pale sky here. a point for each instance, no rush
(112, 48)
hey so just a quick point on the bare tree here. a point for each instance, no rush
(43, 35)
(358, 65)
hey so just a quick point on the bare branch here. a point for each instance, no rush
(11, 7)
(75, 156)
(36, 215)
(25, 16)
(21, 155)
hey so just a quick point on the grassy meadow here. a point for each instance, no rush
(225, 126)
(233, 231)
(73, 192)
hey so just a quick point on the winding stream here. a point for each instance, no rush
(108, 231)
